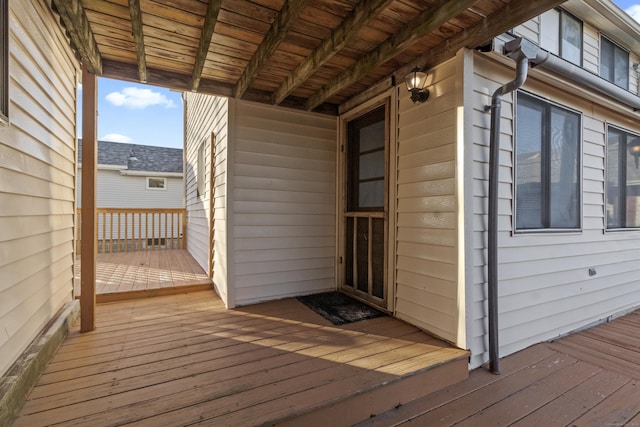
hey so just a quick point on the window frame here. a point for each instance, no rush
(580, 166)
(563, 15)
(620, 48)
(628, 133)
(164, 183)
(200, 171)
(4, 61)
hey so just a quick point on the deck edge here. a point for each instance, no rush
(355, 408)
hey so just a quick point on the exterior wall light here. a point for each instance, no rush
(634, 149)
(415, 81)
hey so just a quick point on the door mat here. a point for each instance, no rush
(338, 308)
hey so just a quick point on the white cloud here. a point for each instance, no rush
(137, 99)
(634, 12)
(116, 137)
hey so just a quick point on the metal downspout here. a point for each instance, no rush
(521, 51)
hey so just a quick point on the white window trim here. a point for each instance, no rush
(606, 162)
(164, 186)
(516, 231)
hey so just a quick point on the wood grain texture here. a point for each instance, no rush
(185, 358)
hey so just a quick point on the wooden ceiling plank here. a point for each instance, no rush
(77, 24)
(138, 36)
(211, 17)
(423, 24)
(350, 26)
(285, 19)
(507, 17)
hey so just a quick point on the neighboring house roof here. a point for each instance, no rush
(136, 157)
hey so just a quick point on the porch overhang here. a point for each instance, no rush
(296, 53)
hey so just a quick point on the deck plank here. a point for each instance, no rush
(137, 274)
(178, 358)
(616, 410)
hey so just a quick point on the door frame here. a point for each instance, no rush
(389, 100)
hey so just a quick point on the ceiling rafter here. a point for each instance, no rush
(354, 22)
(79, 28)
(420, 26)
(136, 28)
(210, 19)
(285, 19)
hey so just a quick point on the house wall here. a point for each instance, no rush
(115, 190)
(427, 259)
(544, 286)
(37, 169)
(284, 172)
(206, 115)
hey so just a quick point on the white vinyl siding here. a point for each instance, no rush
(426, 220)
(284, 174)
(545, 289)
(115, 190)
(530, 29)
(590, 48)
(207, 115)
(37, 169)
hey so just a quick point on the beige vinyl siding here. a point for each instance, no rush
(426, 221)
(590, 48)
(284, 202)
(544, 286)
(115, 190)
(37, 168)
(206, 115)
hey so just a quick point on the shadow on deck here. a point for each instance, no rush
(129, 275)
(185, 359)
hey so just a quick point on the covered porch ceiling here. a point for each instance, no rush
(313, 55)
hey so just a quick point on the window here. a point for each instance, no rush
(200, 172)
(4, 59)
(156, 183)
(614, 63)
(547, 165)
(622, 179)
(561, 34)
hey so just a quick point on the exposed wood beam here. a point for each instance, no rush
(182, 82)
(88, 230)
(423, 24)
(210, 20)
(285, 19)
(136, 27)
(163, 78)
(356, 20)
(509, 16)
(77, 24)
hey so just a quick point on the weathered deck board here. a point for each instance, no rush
(184, 358)
(590, 378)
(129, 275)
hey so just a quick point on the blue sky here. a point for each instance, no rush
(138, 114)
(150, 115)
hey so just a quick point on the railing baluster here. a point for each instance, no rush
(112, 240)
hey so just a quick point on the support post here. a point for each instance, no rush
(88, 215)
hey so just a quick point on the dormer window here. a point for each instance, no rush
(614, 63)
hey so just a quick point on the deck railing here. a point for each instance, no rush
(133, 229)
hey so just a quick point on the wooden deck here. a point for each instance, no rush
(590, 378)
(128, 275)
(184, 359)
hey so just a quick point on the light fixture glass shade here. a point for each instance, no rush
(634, 146)
(416, 79)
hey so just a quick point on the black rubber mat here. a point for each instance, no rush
(338, 308)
